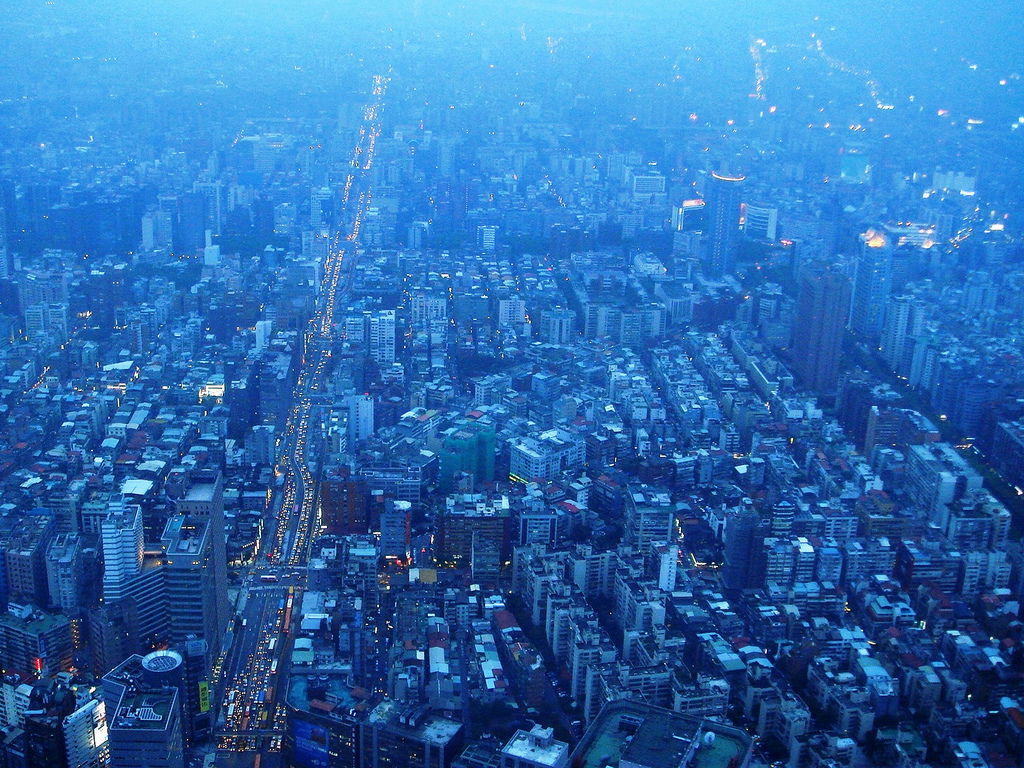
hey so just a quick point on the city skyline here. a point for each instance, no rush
(511, 384)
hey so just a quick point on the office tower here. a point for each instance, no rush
(557, 325)
(904, 322)
(320, 207)
(190, 580)
(205, 501)
(536, 748)
(486, 237)
(112, 633)
(184, 669)
(470, 519)
(395, 737)
(25, 559)
(871, 283)
(129, 576)
(425, 309)
(761, 222)
(650, 517)
(381, 333)
(34, 640)
(316, 735)
(177, 681)
(64, 726)
(86, 737)
(396, 529)
(822, 307)
(46, 323)
(511, 311)
(470, 450)
(360, 417)
(145, 729)
(189, 232)
(121, 533)
(722, 195)
(43, 287)
(67, 573)
(743, 537)
(343, 502)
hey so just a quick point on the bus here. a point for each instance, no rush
(273, 667)
(269, 578)
(262, 695)
(273, 644)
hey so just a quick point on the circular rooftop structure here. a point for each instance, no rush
(162, 662)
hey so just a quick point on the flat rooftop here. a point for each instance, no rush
(148, 710)
(538, 747)
(651, 737)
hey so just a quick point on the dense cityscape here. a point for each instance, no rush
(511, 385)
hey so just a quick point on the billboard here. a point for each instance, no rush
(310, 744)
(204, 696)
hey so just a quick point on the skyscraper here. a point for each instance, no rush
(190, 580)
(723, 222)
(871, 283)
(382, 336)
(360, 417)
(205, 500)
(904, 321)
(822, 307)
(122, 551)
(128, 575)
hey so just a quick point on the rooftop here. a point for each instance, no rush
(538, 746)
(144, 710)
(650, 737)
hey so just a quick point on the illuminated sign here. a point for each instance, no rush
(204, 696)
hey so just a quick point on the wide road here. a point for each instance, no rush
(254, 666)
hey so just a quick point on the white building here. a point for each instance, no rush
(122, 539)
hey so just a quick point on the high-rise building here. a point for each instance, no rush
(723, 222)
(46, 322)
(536, 748)
(486, 237)
(360, 417)
(25, 559)
(145, 729)
(822, 307)
(872, 282)
(396, 529)
(426, 308)
(122, 539)
(205, 500)
(468, 449)
(511, 311)
(393, 737)
(86, 734)
(381, 333)
(320, 206)
(468, 520)
(761, 222)
(182, 670)
(67, 572)
(34, 640)
(904, 322)
(343, 502)
(557, 325)
(743, 537)
(650, 517)
(64, 727)
(190, 580)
